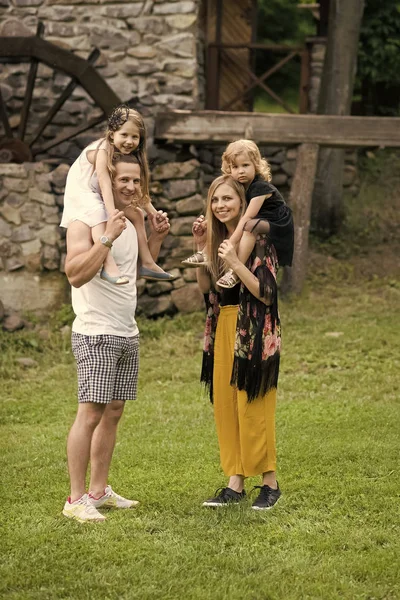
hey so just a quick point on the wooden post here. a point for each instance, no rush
(300, 201)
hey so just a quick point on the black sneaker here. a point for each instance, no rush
(267, 497)
(224, 497)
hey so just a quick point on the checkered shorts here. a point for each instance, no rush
(107, 366)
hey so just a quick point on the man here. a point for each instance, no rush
(105, 342)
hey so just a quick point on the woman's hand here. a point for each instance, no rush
(227, 252)
(199, 230)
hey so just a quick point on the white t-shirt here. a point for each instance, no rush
(104, 308)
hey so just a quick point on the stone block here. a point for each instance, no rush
(158, 287)
(2, 311)
(15, 200)
(182, 226)
(42, 197)
(22, 234)
(7, 249)
(122, 11)
(13, 323)
(15, 185)
(188, 299)
(32, 247)
(15, 28)
(194, 205)
(14, 263)
(31, 213)
(50, 258)
(33, 263)
(183, 68)
(49, 234)
(154, 25)
(164, 204)
(277, 158)
(289, 167)
(13, 170)
(155, 307)
(180, 188)
(22, 290)
(142, 52)
(181, 21)
(189, 275)
(291, 154)
(172, 8)
(156, 188)
(180, 44)
(176, 170)
(279, 179)
(178, 283)
(11, 214)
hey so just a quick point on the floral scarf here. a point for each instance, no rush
(258, 331)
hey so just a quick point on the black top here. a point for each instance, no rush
(229, 296)
(279, 216)
(260, 187)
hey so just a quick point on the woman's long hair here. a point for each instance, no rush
(117, 119)
(217, 231)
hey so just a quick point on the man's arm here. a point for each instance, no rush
(84, 258)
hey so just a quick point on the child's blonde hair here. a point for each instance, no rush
(217, 231)
(251, 149)
(116, 120)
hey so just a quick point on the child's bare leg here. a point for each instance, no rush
(110, 266)
(246, 245)
(147, 261)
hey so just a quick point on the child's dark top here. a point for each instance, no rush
(279, 216)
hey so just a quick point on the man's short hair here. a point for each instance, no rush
(125, 158)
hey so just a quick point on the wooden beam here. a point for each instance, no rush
(184, 126)
(300, 200)
(69, 133)
(60, 101)
(29, 89)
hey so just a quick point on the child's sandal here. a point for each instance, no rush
(198, 259)
(229, 280)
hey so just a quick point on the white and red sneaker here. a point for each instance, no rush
(111, 500)
(82, 510)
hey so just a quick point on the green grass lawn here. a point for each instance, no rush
(335, 532)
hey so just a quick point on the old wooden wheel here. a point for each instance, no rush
(34, 49)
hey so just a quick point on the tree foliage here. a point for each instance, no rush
(378, 71)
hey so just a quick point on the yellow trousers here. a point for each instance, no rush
(246, 430)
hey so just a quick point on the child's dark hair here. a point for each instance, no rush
(119, 116)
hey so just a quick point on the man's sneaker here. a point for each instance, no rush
(81, 510)
(267, 497)
(111, 500)
(224, 497)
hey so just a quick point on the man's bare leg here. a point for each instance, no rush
(78, 445)
(102, 448)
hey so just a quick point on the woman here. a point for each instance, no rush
(241, 348)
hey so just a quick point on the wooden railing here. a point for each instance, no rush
(215, 52)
